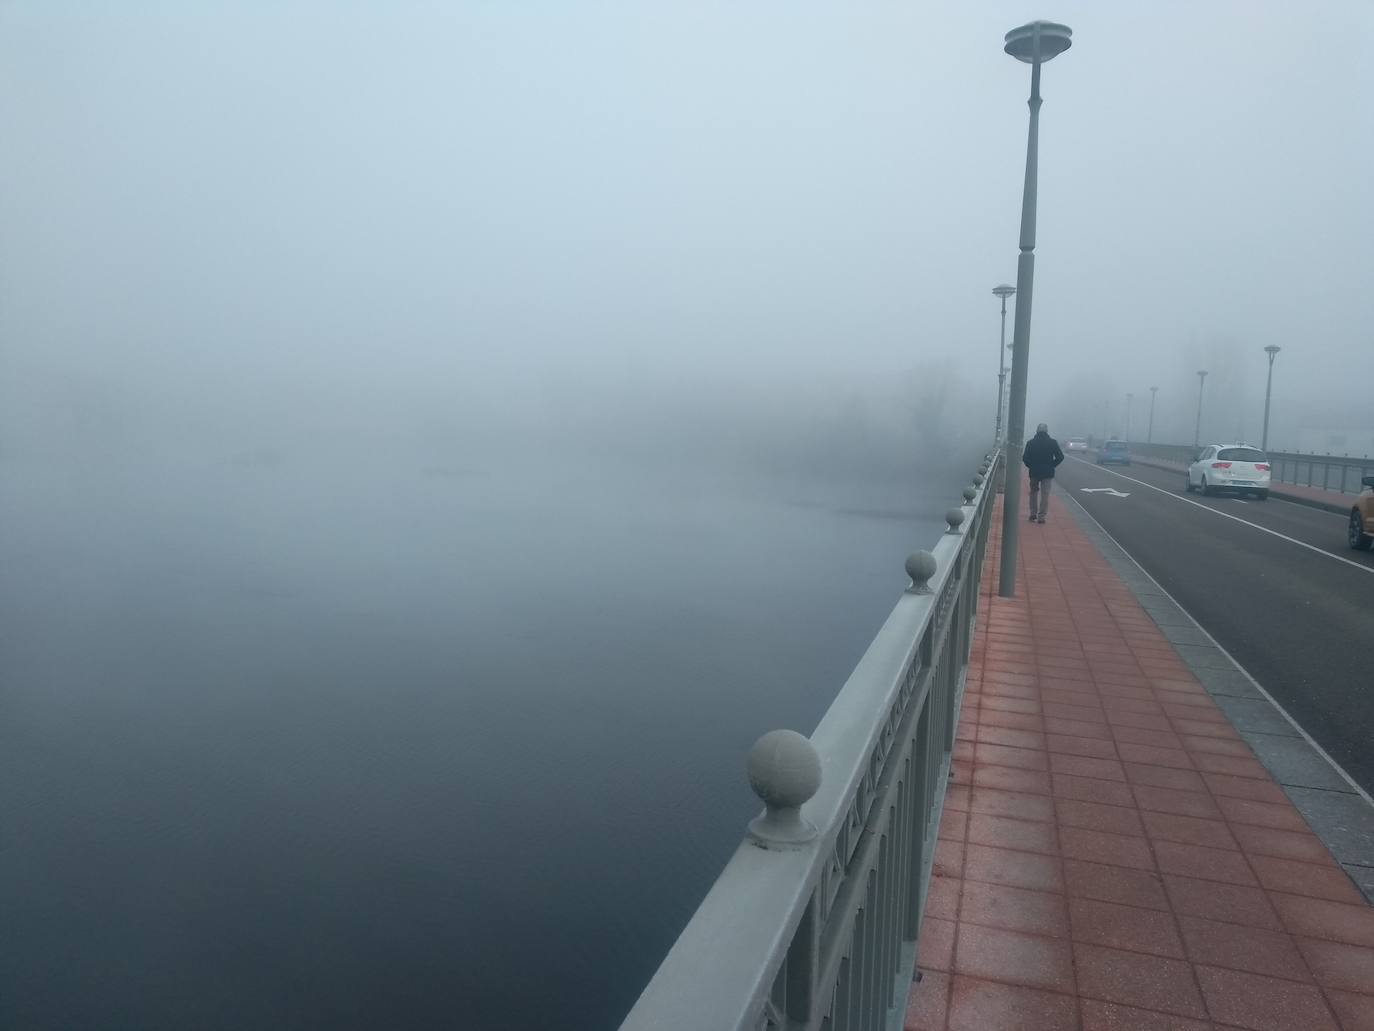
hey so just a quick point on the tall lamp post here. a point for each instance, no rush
(1150, 433)
(1197, 430)
(1128, 417)
(1034, 43)
(1271, 351)
(1004, 291)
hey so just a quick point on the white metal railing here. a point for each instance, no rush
(813, 923)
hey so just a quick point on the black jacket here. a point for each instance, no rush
(1040, 455)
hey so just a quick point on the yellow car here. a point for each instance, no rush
(1362, 517)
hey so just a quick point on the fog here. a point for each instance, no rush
(436, 439)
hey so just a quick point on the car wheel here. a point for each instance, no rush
(1262, 495)
(1187, 484)
(1206, 490)
(1359, 540)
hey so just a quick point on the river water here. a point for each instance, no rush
(328, 746)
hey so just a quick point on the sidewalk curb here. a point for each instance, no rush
(1338, 810)
(1278, 492)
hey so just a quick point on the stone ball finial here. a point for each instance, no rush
(970, 493)
(785, 772)
(920, 566)
(978, 480)
(954, 517)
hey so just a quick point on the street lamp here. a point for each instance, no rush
(1128, 417)
(1271, 350)
(1150, 433)
(1004, 291)
(1033, 43)
(1197, 430)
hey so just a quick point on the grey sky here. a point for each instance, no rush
(217, 215)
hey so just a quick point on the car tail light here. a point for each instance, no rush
(1261, 467)
(1221, 465)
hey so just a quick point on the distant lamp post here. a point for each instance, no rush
(1004, 291)
(1197, 430)
(1150, 432)
(1128, 417)
(1034, 43)
(1271, 351)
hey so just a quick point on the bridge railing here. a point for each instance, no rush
(1340, 473)
(814, 921)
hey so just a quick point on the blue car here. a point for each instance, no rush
(1114, 452)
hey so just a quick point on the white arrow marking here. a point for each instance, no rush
(1104, 490)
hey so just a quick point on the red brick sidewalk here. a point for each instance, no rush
(1112, 855)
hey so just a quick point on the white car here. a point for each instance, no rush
(1076, 444)
(1237, 467)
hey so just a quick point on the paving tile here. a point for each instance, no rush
(1078, 728)
(1317, 880)
(1012, 720)
(1086, 766)
(1242, 948)
(1140, 721)
(1152, 755)
(1015, 909)
(1263, 1003)
(942, 898)
(1293, 761)
(1017, 869)
(1188, 829)
(1109, 1016)
(1303, 846)
(928, 1002)
(1114, 819)
(1124, 927)
(1208, 864)
(1180, 803)
(1355, 1012)
(1006, 832)
(1019, 758)
(1022, 805)
(1164, 777)
(1245, 787)
(949, 858)
(1134, 979)
(1229, 903)
(1337, 965)
(956, 796)
(1318, 918)
(1140, 888)
(1094, 846)
(1237, 766)
(935, 948)
(1000, 704)
(1261, 814)
(1014, 957)
(1010, 736)
(1142, 736)
(1069, 744)
(1010, 778)
(977, 1005)
(953, 823)
(1087, 789)
(1216, 746)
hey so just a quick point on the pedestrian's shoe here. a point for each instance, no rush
(1041, 519)
(1032, 519)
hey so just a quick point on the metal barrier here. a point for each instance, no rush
(1339, 473)
(814, 921)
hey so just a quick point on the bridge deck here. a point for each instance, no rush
(1112, 854)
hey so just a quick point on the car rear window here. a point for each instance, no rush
(1116, 445)
(1241, 454)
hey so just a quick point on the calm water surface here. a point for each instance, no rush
(311, 746)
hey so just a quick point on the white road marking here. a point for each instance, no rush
(1104, 490)
(1226, 515)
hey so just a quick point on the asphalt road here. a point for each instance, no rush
(1272, 581)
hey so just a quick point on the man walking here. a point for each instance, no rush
(1040, 456)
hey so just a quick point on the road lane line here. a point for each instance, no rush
(1217, 645)
(1227, 515)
